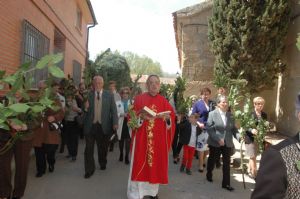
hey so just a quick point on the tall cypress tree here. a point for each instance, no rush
(248, 36)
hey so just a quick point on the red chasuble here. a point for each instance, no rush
(152, 141)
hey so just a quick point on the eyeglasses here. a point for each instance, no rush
(258, 103)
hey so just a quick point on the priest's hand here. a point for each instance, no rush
(145, 116)
(165, 116)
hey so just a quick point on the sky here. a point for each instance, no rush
(144, 27)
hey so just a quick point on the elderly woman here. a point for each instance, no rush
(279, 172)
(123, 131)
(221, 129)
(250, 144)
(46, 138)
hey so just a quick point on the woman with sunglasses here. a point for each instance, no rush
(250, 144)
(123, 131)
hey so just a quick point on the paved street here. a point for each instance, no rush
(67, 182)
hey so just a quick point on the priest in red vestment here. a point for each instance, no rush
(151, 142)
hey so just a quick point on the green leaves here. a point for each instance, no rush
(43, 62)
(49, 60)
(9, 79)
(19, 107)
(56, 72)
(241, 106)
(182, 104)
(111, 66)
(26, 66)
(56, 58)
(16, 121)
(4, 126)
(32, 104)
(133, 121)
(46, 101)
(37, 108)
(2, 73)
(298, 42)
(166, 90)
(7, 112)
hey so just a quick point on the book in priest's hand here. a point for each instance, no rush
(153, 113)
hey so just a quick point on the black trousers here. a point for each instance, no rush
(215, 152)
(63, 135)
(45, 154)
(176, 142)
(72, 132)
(125, 139)
(102, 141)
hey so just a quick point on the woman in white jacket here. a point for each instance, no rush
(123, 130)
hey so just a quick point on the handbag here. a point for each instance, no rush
(54, 126)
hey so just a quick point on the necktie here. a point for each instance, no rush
(98, 95)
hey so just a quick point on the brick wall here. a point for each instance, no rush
(45, 16)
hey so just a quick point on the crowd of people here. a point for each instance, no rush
(102, 116)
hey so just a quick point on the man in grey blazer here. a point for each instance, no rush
(221, 129)
(99, 120)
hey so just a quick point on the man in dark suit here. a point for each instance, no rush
(99, 121)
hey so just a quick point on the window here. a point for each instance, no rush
(76, 72)
(59, 46)
(78, 19)
(35, 46)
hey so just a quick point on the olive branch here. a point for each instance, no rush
(241, 107)
(34, 103)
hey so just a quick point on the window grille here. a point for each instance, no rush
(35, 46)
(76, 72)
(59, 46)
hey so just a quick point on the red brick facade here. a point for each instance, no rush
(48, 17)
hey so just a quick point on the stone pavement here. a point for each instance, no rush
(67, 182)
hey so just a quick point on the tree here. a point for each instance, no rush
(166, 90)
(249, 36)
(142, 64)
(111, 66)
(182, 104)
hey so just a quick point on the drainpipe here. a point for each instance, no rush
(87, 44)
(88, 30)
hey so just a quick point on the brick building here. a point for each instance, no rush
(197, 61)
(30, 29)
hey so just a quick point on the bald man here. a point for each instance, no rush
(100, 119)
